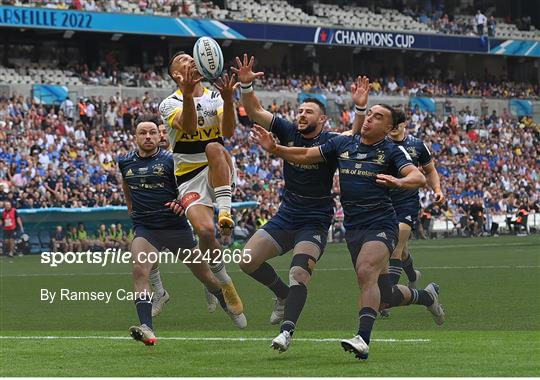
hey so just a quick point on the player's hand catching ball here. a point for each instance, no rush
(187, 81)
(245, 70)
(263, 138)
(360, 91)
(388, 180)
(226, 86)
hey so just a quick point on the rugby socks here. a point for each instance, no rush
(219, 295)
(409, 269)
(385, 288)
(420, 297)
(144, 310)
(155, 282)
(293, 307)
(395, 271)
(366, 318)
(267, 276)
(221, 273)
(223, 197)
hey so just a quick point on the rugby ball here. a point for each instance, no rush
(208, 58)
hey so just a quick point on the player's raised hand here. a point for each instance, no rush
(245, 69)
(187, 81)
(388, 180)
(226, 85)
(360, 91)
(175, 207)
(263, 138)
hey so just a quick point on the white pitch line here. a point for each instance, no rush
(220, 339)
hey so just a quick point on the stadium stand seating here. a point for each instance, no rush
(281, 11)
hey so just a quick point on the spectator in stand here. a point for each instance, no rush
(481, 22)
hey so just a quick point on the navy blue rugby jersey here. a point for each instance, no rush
(306, 185)
(364, 200)
(152, 183)
(420, 156)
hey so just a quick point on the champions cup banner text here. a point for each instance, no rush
(41, 18)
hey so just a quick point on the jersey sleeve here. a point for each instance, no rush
(424, 155)
(283, 129)
(169, 108)
(399, 158)
(219, 102)
(120, 160)
(332, 148)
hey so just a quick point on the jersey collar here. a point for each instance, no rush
(144, 158)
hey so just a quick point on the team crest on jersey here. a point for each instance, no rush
(412, 151)
(344, 155)
(158, 169)
(380, 157)
(129, 173)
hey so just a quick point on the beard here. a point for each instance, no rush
(309, 129)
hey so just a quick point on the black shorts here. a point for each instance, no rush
(407, 212)
(10, 234)
(385, 233)
(171, 239)
(287, 232)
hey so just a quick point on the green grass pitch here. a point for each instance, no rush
(490, 288)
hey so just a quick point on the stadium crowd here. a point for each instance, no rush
(429, 83)
(65, 157)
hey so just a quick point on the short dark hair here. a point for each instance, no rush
(146, 118)
(401, 116)
(393, 112)
(171, 61)
(317, 102)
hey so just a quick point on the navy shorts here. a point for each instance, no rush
(288, 232)
(386, 233)
(171, 239)
(407, 212)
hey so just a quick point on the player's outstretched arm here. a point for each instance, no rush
(411, 179)
(252, 104)
(291, 154)
(186, 119)
(360, 93)
(434, 182)
(226, 86)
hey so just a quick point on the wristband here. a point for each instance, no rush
(360, 110)
(246, 87)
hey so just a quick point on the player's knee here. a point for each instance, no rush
(213, 150)
(249, 267)
(205, 230)
(139, 271)
(301, 269)
(366, 274)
